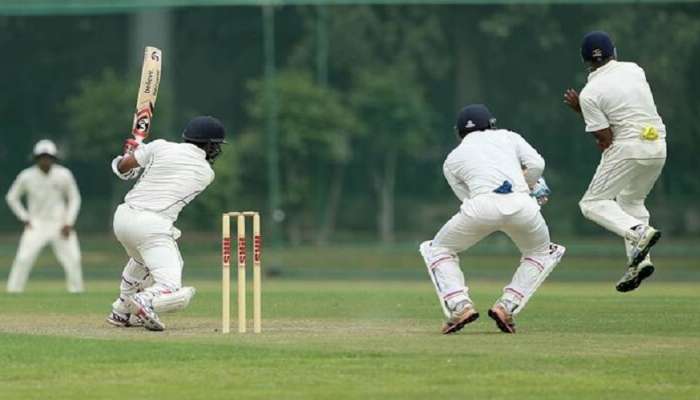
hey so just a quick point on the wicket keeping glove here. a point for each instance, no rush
(541, 191)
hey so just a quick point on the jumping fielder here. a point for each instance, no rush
(53, 202)
(492, 172)
(173, 175)
(619, 111)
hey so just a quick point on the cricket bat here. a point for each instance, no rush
(148, 92)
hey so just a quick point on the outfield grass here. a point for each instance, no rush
(357, 322)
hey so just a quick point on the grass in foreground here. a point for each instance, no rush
(340, 339)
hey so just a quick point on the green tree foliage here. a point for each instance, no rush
(380, 57)
(396, 129)
(517, 59)
(99, 116)
(315, 130)
(374, 37)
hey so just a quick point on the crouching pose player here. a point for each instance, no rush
(497, 176)
(173, 175)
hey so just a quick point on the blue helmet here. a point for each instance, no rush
(597, 46)
(474, 117)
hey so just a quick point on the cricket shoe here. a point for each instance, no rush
(121, 320)
(463, 314)
(504, 319)
(642, 238)
(634, 276)
(144, 311)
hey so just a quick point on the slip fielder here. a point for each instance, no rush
(497, 176)
(53, 202)
(619, 111)
(173, 175)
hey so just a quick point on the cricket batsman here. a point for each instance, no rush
(619, 111)
(172, 175)
(53, 202)
(497, 176)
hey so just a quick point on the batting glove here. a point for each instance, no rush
(130, 145)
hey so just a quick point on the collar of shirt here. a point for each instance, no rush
(43, 174)
(607, 67)
(198, 150)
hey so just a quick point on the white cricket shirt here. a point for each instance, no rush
(51, 197)
(618, 96)
(174, 174)
(485, 159)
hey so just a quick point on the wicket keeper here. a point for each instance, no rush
(497, 176)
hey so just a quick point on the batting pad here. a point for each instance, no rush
(173, 301)
(549, 262)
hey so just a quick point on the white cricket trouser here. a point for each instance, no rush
(626, 174)
(34, 238)
(155, 264)
(515, 214)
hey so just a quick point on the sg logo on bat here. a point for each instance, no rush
(142, 122)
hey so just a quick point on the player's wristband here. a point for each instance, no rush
(126, 175)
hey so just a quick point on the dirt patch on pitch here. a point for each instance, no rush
(193, 328)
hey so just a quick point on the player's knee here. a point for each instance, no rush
(432, 254)
(173, 301)
(24, 259)
(587, 208)
(634, 207)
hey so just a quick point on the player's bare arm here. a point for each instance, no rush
(603, 138)
(127, 163)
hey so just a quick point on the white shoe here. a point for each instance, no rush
(634, 275)
(140, 308)
(122, 320)
(642, 238)
(118, 319)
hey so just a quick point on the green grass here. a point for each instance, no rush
(357, 322)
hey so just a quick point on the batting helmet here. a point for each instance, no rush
(597, 46)
(474, 117)
(204, 129)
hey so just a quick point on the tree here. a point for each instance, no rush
(99, 118)
(396, 126)
(315, 132)
(377, 55)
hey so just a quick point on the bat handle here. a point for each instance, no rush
(131, 144)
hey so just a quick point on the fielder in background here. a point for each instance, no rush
(619, 111)
(173, 175)
(497, 176)
(53, 202)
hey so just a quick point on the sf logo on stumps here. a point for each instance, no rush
(226, 250)
(241, 251)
